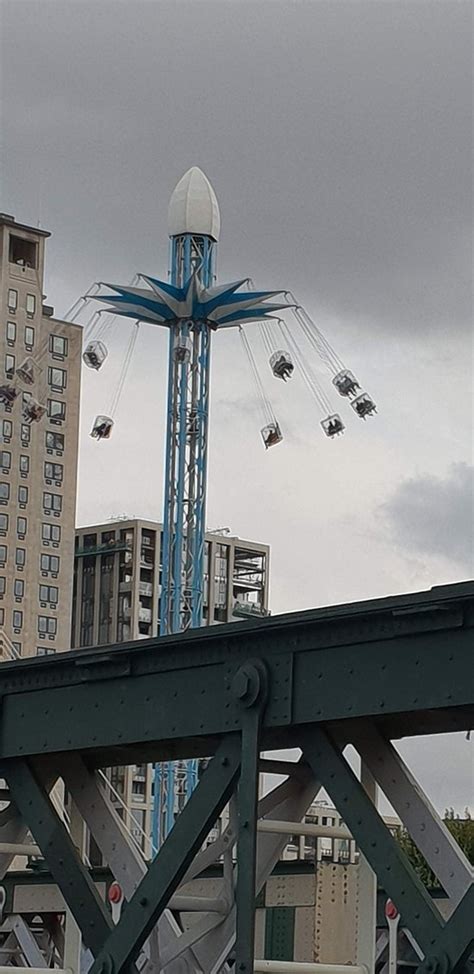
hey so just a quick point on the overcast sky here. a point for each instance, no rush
(337, 138)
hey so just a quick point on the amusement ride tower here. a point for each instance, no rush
(192, 308)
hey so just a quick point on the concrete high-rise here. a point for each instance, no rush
(40, 369)
(117, 580)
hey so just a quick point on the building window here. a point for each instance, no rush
(47, 624)
(58, 345)
(30, 305)
(45, 650)
(5, 460)
(49, 593)
(29, 337)
(139, 791)
(86, 635)
(24, 463)
(56, 409)
(9, 366)
(57, 379)
(221, 577)
(25, 434)
(7, 429)
(21, 526)
(22, 495)
(22, 252)
(11, 332)
(49, 563)
(4, 491)
(12, 299)
(54, 441)
(3, 585)
(53, 471)
(51, 532)
(17, 616)
(18, 588)
(20, 557)
(3, 553)
(3, 523)
(105, 596)
(52, 502)
(2, 616)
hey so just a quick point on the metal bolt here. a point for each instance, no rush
(241, 684)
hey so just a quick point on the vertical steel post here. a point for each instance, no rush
(247, 845)
(250, 688)
(367, 913)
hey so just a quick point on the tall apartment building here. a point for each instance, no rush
(117, 581)
(40, 369)
(116, 598)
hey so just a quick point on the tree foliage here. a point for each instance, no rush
(461, 828)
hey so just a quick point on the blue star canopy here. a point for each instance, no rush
(164, 304)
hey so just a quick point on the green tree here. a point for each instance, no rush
(461, 828)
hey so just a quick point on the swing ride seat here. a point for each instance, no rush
(271, 435)
(346, 383)
(8, 395)
(33, 411)
(26, 371)
(333, 425)
(95, 355)
(281, 365)
(102, 428)
(364, 406)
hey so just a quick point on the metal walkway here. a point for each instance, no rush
(365, 674)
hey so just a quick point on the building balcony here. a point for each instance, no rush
(146, 559)
(146, 588)
(103, 549)
(247, 584)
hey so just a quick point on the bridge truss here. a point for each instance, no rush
(366, 674)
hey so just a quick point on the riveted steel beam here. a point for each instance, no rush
(250, 685)
(405, 659)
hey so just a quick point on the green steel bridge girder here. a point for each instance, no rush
(403, 661)
(396, 667)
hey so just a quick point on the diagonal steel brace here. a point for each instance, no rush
(123, 944)
(379, 847)
(56, 845)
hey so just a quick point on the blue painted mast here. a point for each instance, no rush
(194, 227)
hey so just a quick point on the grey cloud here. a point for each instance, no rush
(336, 135)
(431, 515)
